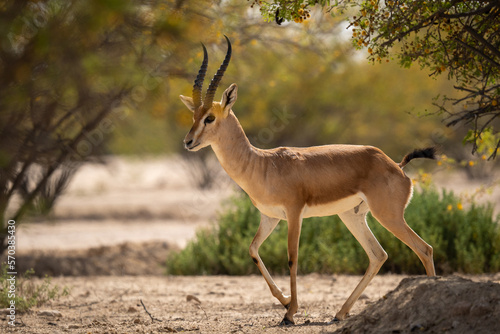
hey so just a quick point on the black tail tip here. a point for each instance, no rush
(426, 153)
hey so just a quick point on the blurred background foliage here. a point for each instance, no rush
(140, 55)
(459, 38)
(299, 85)
(82, 79)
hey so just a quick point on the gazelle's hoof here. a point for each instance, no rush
(339, 318)
(286, 322)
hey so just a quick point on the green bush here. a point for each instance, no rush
(464, 240)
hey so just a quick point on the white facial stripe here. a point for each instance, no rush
(199, 130)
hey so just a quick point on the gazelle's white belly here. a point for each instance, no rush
(322, 210)
(273, 211)
(332, 208)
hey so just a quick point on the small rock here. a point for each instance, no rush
(417, 327)
(461, 308)
(480, 309)
(131, 309)
(4, 311)
(137, 321)
(73, 326)
(363, 296)
(50, 313)
(86, 294)
(192, 298)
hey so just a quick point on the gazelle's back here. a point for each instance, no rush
(333, 172)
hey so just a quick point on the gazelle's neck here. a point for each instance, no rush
(234, 151)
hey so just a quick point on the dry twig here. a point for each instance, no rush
(145, 309)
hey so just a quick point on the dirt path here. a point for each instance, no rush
(79, 235)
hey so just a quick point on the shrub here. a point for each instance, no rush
(464, 240)
(28, 293)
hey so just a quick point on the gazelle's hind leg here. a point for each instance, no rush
(355, 220)
(388, 208)
(403, 232)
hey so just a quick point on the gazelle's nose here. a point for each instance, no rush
(188, 144)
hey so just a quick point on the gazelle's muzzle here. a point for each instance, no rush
(189, 143)
(192, 139)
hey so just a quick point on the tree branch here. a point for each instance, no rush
(417, 26)
(481, 39)
(480, 11)
(63, 156)
(479, 52)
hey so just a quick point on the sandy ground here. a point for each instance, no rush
(222, 304)
(212, 304)
(122, 218)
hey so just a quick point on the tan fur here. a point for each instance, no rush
(288, 182)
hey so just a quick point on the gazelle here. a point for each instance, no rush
(295, 183)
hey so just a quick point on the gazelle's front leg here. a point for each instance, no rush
(294, 226)
(267, 225)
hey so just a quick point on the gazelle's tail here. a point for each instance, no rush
(427, 153)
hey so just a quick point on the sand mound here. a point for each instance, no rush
(432, 305)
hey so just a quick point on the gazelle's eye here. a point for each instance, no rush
(209, 119)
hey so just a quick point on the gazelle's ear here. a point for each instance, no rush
(188, 101)
(228, 98)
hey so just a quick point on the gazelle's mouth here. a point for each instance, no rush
(190, 148)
